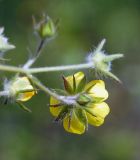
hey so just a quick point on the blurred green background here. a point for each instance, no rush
(83, 23)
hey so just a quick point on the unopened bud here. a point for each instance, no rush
(45, 28)
(20, 89)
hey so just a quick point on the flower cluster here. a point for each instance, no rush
(88, 104)
(80, 103)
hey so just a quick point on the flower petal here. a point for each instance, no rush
(25, 96)
(95, 121)
(100, 110)
(55, 110)
(75, 80)
(73, 125)
(96, 89)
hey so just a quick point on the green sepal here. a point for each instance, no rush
(111, 75)
(81, 114)
(47, 29)
(70, 117)
(83, 99)
(62, 114)
(22, 106)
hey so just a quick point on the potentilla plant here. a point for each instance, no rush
(80, 102)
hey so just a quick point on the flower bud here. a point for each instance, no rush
(20, 89)
(46, 28)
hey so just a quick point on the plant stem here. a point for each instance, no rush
(29, 71)
(12, 68)
(60, 68)
(4, 93)
(31, 61)
(45, 89)
(44, 69)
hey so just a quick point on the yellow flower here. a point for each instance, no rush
(21, 89)
(89, 107)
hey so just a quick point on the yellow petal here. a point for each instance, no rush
(96, 89)
(100, 111)
(76, 126)
(78, 77)
(94, 82)
(25, 96)
(95, 121)
(55, 110)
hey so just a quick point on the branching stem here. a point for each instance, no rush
(30, 71)
(9, 68)
(60, 68)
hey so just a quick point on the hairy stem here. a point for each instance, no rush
(60, 68)
(4, 93)
(29, 72)
(46, 89)
(9, 68)
(31, 61)
(44, 69)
